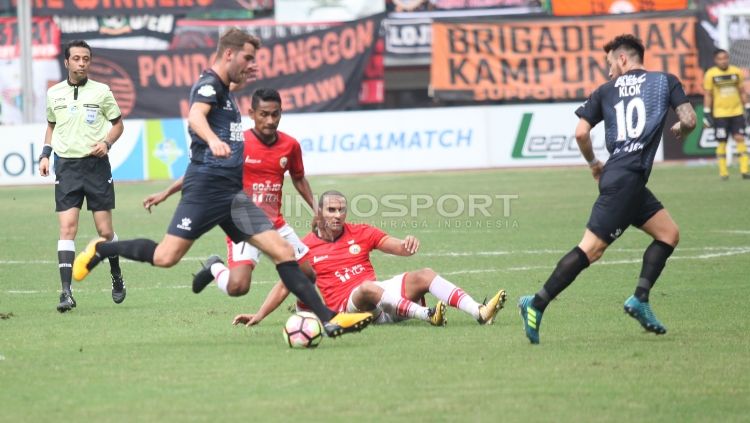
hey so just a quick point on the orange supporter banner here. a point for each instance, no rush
(552, 60)
(604, 7)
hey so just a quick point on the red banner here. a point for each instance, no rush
(119, 7)
(319, 71)
(45, 39)
(552, 59)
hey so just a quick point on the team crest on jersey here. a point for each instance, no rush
(354, 249)
(207, 91)
(283, 161)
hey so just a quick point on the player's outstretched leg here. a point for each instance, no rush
(641, 311)
(87, 260)
(67, 302)
(347, 323)
(205, 276)
(488, 310)
(437, 315)
(532, 318)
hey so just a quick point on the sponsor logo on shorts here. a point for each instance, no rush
(617, 233)
(109, 180)
(317, 259)
(185, 225)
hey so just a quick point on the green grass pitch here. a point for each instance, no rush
(166, 354)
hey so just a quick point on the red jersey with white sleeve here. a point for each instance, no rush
(264, 169)
(343, 264)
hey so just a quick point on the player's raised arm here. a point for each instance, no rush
(399, 247)
(199, 124)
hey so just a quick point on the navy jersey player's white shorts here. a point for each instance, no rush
(623, 200)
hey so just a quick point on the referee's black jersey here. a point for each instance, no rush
(634, 110)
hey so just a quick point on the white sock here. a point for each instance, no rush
(221, 274)
(454, 296)
(403, 307)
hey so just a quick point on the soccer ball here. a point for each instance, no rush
(303, 330)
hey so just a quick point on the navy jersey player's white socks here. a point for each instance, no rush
(454, 296)
(395, 304)
(66, 253)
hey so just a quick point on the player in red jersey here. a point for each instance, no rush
(269, 154)
(340, 256)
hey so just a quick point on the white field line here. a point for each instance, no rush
(708, 253)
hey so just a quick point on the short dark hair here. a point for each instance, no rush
(77, 43)
(719, 51)
(235, 39)
(265, 94)
(329, 193)
(629, 42)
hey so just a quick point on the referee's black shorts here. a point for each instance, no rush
(623, 200)
(88, 177)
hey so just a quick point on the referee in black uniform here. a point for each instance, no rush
(83, 121)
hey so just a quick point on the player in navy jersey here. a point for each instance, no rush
(212, 191)
(633, 106)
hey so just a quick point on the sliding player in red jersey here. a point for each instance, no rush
(340, 255)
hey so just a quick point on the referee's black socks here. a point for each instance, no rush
(654, 259)
(298, 284)
(564, 274)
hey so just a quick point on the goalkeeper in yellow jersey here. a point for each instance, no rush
(724, 111)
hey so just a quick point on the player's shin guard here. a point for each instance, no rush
(742, 151)
(564, 274)
(721, 157)
(298, 284)
(66, 253)
(135, 249)
(654, 259)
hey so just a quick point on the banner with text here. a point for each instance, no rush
(45, 38)
(608, 7)
(138, 7)
(553, 59)
(319, 71)
(348, 143)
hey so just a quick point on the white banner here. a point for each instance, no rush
(348, 142)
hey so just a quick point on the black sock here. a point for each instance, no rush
(65, 264)
(135, 249)
(114, 266)
(298, 284)
(654, 259)
(564, 274)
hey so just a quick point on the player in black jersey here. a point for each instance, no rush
(633, 106)
(212, 191)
